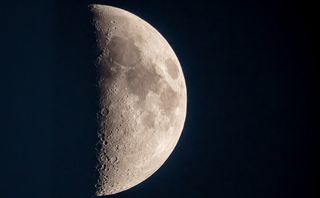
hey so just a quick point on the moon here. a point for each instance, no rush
(143, 99)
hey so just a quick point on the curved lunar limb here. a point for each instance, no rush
(142, 99)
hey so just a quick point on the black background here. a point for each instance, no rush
(251, 80)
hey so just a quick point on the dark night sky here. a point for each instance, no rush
(251, 80)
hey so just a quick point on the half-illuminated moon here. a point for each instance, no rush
(142, 99)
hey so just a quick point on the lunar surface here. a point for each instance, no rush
(142, 99)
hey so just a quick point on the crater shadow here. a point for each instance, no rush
(73, 159)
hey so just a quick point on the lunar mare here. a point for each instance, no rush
(142, 99)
